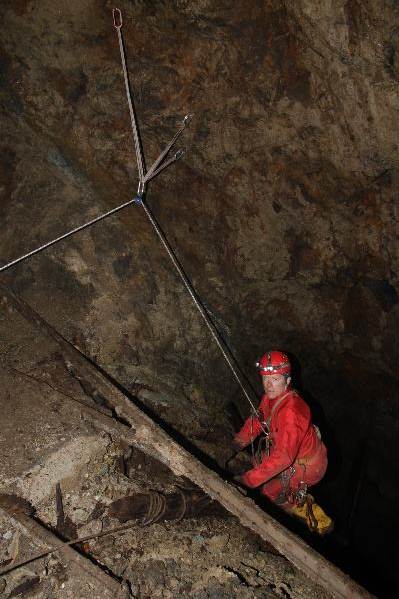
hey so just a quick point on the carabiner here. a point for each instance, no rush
(179, 153)
(117, 18)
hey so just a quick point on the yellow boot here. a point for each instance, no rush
(313, 515)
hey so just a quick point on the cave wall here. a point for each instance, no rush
(283, 211)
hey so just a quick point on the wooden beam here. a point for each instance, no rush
(110, 587)
(151, 438)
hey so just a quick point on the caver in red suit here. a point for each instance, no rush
(297, 456)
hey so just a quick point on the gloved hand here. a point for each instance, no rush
(237, 446)
(239, 485)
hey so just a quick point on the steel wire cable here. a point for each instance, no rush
(213, 330)
(62, 545)
(117, 19)
(65, 235)
(139, 199)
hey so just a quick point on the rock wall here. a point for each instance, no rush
(283, 212)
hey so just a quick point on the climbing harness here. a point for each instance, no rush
(285, 478)
(301, 493)
(265, 441)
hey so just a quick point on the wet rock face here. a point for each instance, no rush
(283, 212)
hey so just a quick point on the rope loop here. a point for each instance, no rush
(117, 18)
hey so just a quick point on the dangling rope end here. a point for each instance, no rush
(117, 18)
(187, 119)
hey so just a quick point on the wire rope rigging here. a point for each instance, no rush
(163, 161)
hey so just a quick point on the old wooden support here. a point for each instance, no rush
(25, 524)
(149, 437)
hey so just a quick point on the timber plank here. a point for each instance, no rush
(42, 536)
(148, 436)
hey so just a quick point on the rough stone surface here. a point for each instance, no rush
(283, 212)
(209, 557)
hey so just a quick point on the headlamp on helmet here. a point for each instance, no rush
(274, 362)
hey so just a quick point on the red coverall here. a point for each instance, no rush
(295, 442)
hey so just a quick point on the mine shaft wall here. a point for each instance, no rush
(283, 211)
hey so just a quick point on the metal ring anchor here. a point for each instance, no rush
(117, 18)
(140, 193)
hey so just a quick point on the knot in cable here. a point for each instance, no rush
(138, 199)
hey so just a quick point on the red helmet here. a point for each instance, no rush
(274, 362)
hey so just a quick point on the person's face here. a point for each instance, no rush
(274, 384)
